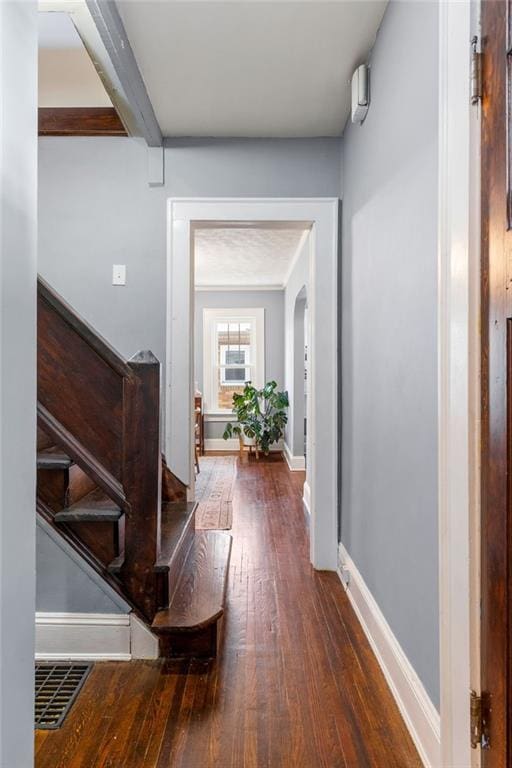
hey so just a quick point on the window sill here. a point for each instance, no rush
(219, 416)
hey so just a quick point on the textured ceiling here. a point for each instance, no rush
(250, 68)
(247, 257)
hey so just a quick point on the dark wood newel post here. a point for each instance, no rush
(142, 479)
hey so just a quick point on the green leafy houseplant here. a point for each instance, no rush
(261, 415)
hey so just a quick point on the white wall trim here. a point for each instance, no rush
(458, 376)
(246, 287)
(321, 214)
(418, 712)
(295, 463)
(306, 497)
(296, 256)
(233, 444)
(99, 637)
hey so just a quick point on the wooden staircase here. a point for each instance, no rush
(103, 484)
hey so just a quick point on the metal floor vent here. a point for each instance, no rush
(57, 686)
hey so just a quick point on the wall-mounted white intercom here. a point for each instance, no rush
(360, 93)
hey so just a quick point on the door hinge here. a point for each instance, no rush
(479, 716)
(475, 86)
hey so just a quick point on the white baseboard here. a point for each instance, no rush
(306, 498)
(295, 463)
(418, 712)
(233, 444)
(94, 636)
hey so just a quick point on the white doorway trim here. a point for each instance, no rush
(458, 378)
(322, 215)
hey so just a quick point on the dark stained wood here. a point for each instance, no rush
(52, 458)
(77, 451)
(81, 547)
(80, 121)
(295, 685)
(176, 536)
(172, 488)
(80, 485)
(79, 388)
(190, 626)
(496, 381)
(142, 480)
(95, 507)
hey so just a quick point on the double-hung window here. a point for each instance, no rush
(233, 354)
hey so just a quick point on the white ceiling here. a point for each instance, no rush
(250, 68)
(67, 76)
(245, 257)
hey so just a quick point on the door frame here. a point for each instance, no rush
(322, 215)
(458, 380)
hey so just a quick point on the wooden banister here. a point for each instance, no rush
(100, 345)
(104, 413)
(142, 479)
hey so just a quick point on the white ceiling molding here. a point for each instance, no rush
(238, 288)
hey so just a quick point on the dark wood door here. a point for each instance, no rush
(496, 380)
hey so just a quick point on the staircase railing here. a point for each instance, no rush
(104, 412)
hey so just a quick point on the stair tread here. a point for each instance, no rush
(95, 507)
(53, 458)
(176, 517)
(200, 594)
(115, 566)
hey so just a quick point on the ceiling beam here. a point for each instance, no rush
(113, 35)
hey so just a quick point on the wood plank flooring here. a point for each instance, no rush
(296, 684)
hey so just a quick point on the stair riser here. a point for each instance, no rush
(168, 580)
(80, 485)
(100, 538)
(52, 485)
(201, 644)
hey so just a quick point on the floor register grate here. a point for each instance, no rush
(57, 686)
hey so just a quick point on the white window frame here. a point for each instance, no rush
(211, 316)
(243, 366)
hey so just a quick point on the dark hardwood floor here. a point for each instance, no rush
(295, 686)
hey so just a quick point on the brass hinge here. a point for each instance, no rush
(476, 72)
(479, 715)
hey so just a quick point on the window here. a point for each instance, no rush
(233, 354)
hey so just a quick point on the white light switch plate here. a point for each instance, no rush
(119, 274)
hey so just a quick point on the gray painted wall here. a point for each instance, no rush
(273, 304)
(294, 367)
(96, 209)
(18, 233)
(65, 583)
(389, 352)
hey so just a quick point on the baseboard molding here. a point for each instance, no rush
(306, 497)
(98, 637)
(233, 444)
(418, 712)
(295, 463)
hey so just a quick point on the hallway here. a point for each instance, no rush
(296, 684)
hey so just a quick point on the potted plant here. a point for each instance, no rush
(260, 416)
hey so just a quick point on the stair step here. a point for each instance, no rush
(177, 520)
(115, 566)
(95, 507)
(53, 459)
(189, 627)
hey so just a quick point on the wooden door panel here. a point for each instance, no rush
(496, 378)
